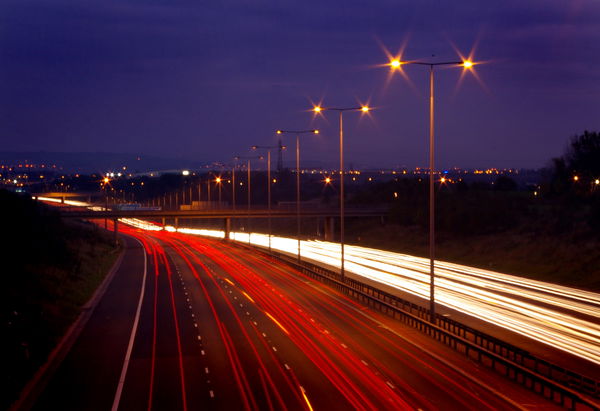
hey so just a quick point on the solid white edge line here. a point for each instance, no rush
(117, 400)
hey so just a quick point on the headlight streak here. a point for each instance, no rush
(483, 294)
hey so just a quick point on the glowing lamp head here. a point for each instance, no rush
(365, 109)
(327, 180)
(315, 131)
(317, 109)
(467, 64)
(218, 180)
(279, 132)
(395, 63)
(576, 178)
(106, 180)
(256, 147)
(597, 181)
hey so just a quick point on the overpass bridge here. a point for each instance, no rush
(226, 215)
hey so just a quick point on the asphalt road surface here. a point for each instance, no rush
(194, 323)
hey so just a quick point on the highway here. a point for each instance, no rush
(197, 323)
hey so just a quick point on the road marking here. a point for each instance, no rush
(287, 367)
(190, 307)
(390, 384)
(199, 338)
(264, 335)
(195, 325)
(193, 315)
(202, 352)
(206, 370)
(364, 362)
(212, 394)
(134, 328)
(344, 345)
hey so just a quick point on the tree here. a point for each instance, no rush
(578, 169)
(583, 155)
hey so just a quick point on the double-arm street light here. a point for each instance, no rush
(396, 64)
(297, 133)
(340, 110)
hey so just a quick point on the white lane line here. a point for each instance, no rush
(117, 399)
(206, 370)
(287, 367)
(344, 345)
(195, 325)
(364, 362)
(390, 385)
(274, 349)
(199, 338)
(202, 352)
(212, 394)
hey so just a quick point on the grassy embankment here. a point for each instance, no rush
(50, 269)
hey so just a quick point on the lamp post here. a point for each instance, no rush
(249, 188)
(105, 182)
(340, 110)
(396, 64)
(233, 184)
(218, 181)
(298, 133)
(268, 148)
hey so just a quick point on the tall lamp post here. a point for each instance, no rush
(249, 187)
(268, 148)
(219, 182)
(340, 110)
(298, 133)
(396, 64)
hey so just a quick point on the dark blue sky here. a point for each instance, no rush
(207, 79)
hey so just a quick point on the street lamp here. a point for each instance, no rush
(218, 181)
(268, 148)
(297, 133)
(396, 64)
(249, 196)
(363, 109)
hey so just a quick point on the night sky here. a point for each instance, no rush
(208, 79)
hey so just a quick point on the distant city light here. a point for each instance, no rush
(186, 172)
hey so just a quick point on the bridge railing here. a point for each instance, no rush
(556, 383)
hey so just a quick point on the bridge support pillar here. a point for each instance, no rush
(227, 227)
(62, 200)
(329, 228)
(176, 223)
(164, 222)
(116, 230)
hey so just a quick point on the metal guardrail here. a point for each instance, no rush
(555, 383)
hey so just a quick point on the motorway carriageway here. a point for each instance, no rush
(565, 318)
(218, 327)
